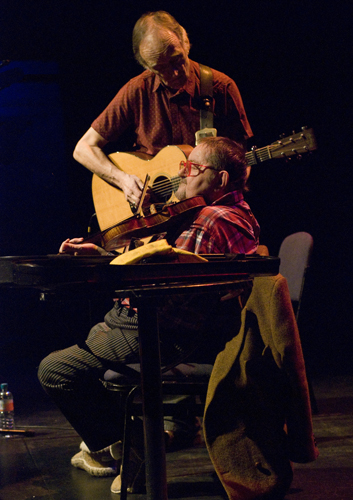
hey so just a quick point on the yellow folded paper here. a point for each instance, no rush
(160, 247)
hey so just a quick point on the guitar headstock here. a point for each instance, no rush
(295, 144)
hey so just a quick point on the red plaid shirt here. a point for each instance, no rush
(226, 226)
(159, 119)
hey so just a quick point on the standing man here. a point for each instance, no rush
(161, 106)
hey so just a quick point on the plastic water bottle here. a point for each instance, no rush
(6, 409)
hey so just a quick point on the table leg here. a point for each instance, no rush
(156, 477)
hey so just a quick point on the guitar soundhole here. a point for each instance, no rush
(162, 188)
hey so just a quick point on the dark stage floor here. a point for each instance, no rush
(39, 467)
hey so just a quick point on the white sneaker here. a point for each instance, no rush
(99, 463)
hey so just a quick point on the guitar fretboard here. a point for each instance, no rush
(258, 155)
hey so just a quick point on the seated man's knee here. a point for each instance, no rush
(50, 371)
(44, 371)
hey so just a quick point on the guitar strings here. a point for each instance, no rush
(167, 182)
(165, 186)
(260, 153)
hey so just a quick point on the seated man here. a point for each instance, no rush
(216, 169)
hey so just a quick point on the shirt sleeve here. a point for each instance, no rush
(119, 115)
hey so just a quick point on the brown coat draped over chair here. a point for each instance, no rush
(257, 416)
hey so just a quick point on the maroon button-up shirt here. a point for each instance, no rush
(159, 118)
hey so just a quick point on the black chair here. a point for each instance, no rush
(185, 383)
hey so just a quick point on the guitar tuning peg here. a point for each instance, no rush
(299, 157)
(304, 128)
(293, 132)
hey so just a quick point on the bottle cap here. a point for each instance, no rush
(4, 387)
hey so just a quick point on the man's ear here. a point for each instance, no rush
(223, 179)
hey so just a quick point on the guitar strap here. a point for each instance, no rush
(206, 94)
(206, 105)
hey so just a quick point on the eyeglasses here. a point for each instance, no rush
(193, 169)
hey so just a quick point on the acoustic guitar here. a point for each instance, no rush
(111, 206)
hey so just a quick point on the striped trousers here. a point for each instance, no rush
(72, 377)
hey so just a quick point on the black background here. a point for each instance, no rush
(291, 61)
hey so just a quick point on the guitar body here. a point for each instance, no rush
(110, 204)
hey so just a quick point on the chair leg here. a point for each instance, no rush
(124, 470)
(313, 402)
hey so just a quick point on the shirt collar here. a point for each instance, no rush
(231, 198)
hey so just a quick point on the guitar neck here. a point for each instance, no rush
(258, 155)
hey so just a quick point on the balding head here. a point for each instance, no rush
(154, 25)
(157, 42)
